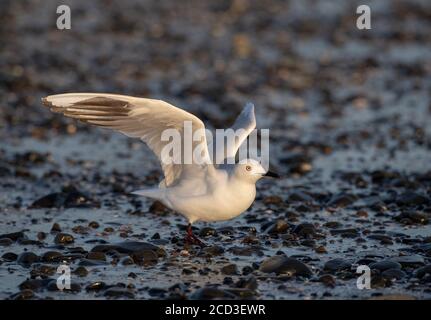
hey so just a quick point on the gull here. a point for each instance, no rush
(198, 191)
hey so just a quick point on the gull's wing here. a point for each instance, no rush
(244, 124)
(135, 117)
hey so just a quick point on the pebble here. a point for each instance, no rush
(26, 259)
(10, 256)
(118, 292)
(282, 264)
(229, 269)
(384, 265)
(64, 238)
(336, 265)
(394, 273)
(304, 230)
(207, 231)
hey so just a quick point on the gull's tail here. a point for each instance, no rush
(154, 193)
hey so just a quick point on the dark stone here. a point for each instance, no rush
(411, 198)
(95, 255)
(299, 196)
(393, 274)
(56, 227)
(328, 280)
(246, 251)
(412, 217)
(94, 225)
(342, 200)
(52, 256)
(410, 261)
(4, 242)
(145, 257)
(10, 256)
(96, 286)
(81, 271)
(118, 292)
(249, 282)
(384, 265)
(130, 247)
(13, 236)
(423, 271)
(305, 230)
(229, 269)
(158, 208)
(23, 295)
(336, 265)
(27, 258)
(282, 264)
(63, 238)
(280, 226)
(34, 284)
(67, 199)
(207, 231)
(211, 251)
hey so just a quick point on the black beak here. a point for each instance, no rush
(271, 174)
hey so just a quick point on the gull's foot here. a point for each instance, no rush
(190, 238)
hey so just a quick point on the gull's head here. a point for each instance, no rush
(252, 170)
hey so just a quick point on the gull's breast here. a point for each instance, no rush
(224, 203)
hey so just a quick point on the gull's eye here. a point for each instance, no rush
(248, 168)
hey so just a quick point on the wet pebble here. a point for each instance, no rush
(328, 280)
(80, 271)
(9, 256)
(207, 231)
(229, 269)
(305, 230)
(52, 256)
(282, 264)
(26, 259)
(64, 238)
(410, 261)
(336, 265)
(118, 292)
(384, 265)
(393, 273)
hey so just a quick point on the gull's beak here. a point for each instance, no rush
(271, 174)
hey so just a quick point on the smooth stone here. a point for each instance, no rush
(118, 292)
(305, 230)
(129, 247)
(395, 273)
(63, 238)
(10, 256)
(229, 269)
(14, 236)
(282, 264)
(410, 261)
(52, 256)
(27, 258)
(384, 265)
(335, 265)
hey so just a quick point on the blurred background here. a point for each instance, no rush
(311, 73)
(349, 110)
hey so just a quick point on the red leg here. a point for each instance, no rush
(191, 238)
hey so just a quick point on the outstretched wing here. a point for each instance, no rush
(139, 118)
(244, 124)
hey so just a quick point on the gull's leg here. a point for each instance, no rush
(191, 238)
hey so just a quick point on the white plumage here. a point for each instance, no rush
(197, 191)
